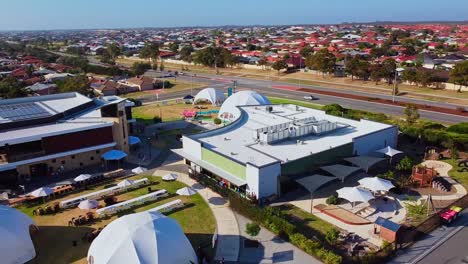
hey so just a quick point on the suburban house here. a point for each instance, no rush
(142, 83)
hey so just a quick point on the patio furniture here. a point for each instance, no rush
(112, 209)
(101, 193)
(167, 207)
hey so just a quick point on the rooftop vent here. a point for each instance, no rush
(234, 153)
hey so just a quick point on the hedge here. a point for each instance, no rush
(274, 220)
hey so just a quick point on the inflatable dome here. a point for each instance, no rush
(212, 95)
(146, 237)
(229, 110)
(17, 246)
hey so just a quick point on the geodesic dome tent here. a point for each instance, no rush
(17, 246)
(212, 95)
(229, 110)
(147, 237)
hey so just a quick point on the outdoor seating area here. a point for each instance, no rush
(101, 193)
(72, 229)
(115, 208)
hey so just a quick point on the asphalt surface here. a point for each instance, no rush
(268, 88)
(454, 250)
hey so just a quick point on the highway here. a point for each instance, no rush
(268, 88)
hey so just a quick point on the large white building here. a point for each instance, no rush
(270, 143)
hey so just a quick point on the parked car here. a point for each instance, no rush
(310, 97)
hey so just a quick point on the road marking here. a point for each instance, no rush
(440, 242)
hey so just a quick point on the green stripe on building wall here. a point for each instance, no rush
(313, 162)
(224, 163)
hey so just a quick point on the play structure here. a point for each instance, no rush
(423, 176)
(191, 113)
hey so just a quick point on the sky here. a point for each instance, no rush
(85, 14)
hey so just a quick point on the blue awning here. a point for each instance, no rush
(114, 155)
(390, 225)
(134, 140)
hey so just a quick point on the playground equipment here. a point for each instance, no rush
(423, 175)
(190, 113)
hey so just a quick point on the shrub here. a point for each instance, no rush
(217, 121)
(157, 119)
(405, 164)
(460, 128)
(252, 229)
(332, 236)
(332, 199)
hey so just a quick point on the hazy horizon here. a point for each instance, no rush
(25, 15)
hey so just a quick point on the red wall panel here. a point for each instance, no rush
(77, 140)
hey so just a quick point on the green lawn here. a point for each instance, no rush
(54, 240)
(278, 100)
(461, 177)
(307, 224)
(171, 111)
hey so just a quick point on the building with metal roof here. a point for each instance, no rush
(42, 134)
(269, 142)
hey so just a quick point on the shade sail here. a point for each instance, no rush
(364, 162)
(170, 177)
(88, 204)
(340, 171)
(42, 192)
(17, 246)
(314, 182)
(389, 151)
(376, 184)
(186, 191)
(125, 183)
(139, 170)
(355, 194)
(134, 140)
(147, 237)
(82, 177)
(114, 155)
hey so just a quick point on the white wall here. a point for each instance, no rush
(369, 143)
(263, 181)
(192, 147)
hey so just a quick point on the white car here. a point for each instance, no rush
(310, 97)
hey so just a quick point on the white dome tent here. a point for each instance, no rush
(146, 237)
(212, 95)
(14, 230)
(229, 110)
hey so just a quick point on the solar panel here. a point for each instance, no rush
(22, 111)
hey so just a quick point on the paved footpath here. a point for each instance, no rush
(430, 242)
(226, 222)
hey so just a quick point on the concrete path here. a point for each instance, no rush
(430, 242)
(226, 222)
(443, 168)
(271, 250)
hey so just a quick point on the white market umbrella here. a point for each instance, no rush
(186, 191)
(82, 177)
(42, 192)
(139, 170)
(125, 183)
(355, 194)
(88, 204)
(376, 184)
(170, 177)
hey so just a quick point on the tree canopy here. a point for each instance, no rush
(11, 88)
(78, 83)
(213, 56)
(323, 61)
(459, 74)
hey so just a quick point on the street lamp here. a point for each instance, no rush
(397, 71)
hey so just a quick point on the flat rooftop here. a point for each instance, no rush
(88, 116)
(237, 140)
